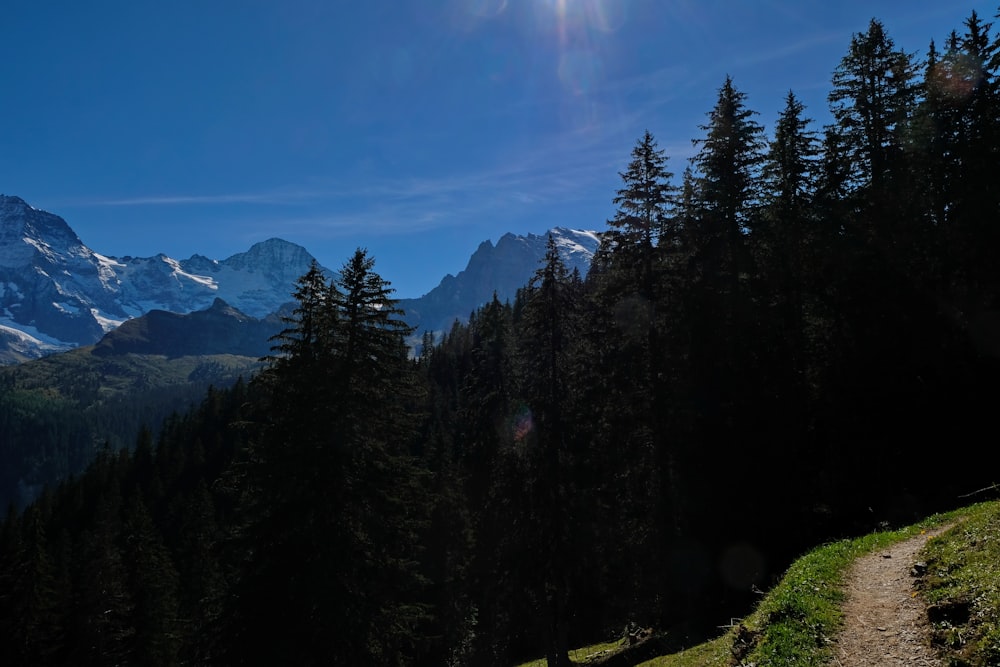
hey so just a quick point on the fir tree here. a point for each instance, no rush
(728, 164)
(335, 500)
(874, 91)
(546, 343)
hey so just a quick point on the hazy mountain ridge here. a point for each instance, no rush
(503, 269)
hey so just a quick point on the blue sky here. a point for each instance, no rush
(414, 128)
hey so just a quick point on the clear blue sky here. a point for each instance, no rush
(415, 128)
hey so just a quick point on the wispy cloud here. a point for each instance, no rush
(572, 172)
(273, 197)
(783, 51)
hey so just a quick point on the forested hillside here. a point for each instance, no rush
(791, 338)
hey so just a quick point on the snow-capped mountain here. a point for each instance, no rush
(503, 268)
(56, 293)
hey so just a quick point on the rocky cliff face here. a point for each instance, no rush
(56, 293)
(503, 269)
(53, 286)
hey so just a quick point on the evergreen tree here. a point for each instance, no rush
(874, 91)
(33, 597)
(335, 502)
(936, 135)
(641, 233)
(550, 448)
(786, 229)
(718, 371)
(488, 411)
(103, 606)
(728, 164)
(642, 219)
(873, 102)
(153, 584)
(969, 76)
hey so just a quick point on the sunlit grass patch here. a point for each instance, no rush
(584, 655)
(714, 653)
(796, 622)
(962, 586)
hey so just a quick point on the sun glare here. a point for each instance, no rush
(602, 15)
(487, 8)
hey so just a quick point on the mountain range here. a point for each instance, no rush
(57, 294)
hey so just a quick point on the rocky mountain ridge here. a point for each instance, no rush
(502, 269)
(57, 294)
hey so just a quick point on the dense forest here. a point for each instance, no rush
(795, 338)
(58, 411)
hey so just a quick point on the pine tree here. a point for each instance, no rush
(973, 65)
(874, 91)
(717, 372)
(546, 343)
(103, 608)
(153, 584)
(785, 228)
(335, 497)
(935, 136)
(642, 219)
(487, 414)
(873, 102)
(639, 235)
(33, 597)
(728, 164)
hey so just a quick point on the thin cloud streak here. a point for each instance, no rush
(574, 166)
(277, 197)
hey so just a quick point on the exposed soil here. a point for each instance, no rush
(885, 622)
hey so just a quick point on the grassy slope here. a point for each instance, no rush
(796, 621)
(962, 584)
(56, 412)
(120, 374)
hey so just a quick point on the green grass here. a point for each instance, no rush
(962, 582)
(581, 656)
(710, 654)
(795, 623)
(89, 378)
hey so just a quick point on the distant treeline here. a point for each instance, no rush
(57, 413)
(795, 339)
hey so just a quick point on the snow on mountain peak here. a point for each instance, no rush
(499, 269)
(52, 285)
(57, 291)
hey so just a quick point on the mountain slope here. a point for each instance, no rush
(219, 329)
(503, 269)
(58, 293)
(57, 411)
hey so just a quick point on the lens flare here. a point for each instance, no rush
(609, 16)
(600, 15)
(956, 77)
(522, 424)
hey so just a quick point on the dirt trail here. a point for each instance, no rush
(885, 624)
